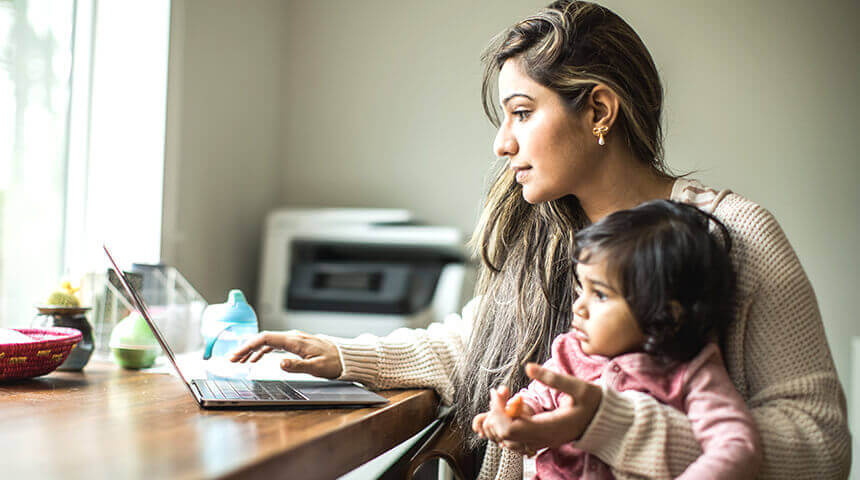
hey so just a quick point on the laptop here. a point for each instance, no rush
(256, 393)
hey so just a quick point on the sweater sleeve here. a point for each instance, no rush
(409, 358)
(778, 359)
(720, 422)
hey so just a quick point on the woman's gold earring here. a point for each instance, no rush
(600, 132)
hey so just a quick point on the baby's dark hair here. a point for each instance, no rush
(659, 253)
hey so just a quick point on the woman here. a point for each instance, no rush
(580, 126)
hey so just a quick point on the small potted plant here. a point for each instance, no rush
(63, 309)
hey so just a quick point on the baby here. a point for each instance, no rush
(654, 287)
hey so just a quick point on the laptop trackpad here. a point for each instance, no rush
(334, 390)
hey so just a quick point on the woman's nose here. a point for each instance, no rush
(505, 145)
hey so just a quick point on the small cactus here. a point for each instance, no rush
(65, 297)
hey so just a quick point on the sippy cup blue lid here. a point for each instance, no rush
(238, 310)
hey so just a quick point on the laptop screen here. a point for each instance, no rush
(141, 308)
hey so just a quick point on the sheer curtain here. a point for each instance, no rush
(82, 116)
(35, 64)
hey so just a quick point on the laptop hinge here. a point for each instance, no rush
(196, 389)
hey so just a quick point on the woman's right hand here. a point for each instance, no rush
(319, 357)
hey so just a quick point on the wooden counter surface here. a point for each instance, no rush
(110, 423)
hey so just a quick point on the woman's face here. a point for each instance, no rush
(602, 320)
(540, 136)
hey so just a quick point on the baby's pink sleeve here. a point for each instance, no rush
(538, 396)
(724, 427)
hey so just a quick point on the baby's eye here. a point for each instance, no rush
(522, 115)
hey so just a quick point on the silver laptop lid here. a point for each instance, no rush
(141, 308)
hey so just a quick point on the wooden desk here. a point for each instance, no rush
(109, 423)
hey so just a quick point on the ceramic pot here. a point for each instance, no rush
(70, 317)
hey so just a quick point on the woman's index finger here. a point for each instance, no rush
(249, 346)
(262, 339)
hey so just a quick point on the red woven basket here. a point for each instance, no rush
(50, 349)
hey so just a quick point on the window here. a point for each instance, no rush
(82, 109)
(35, 63)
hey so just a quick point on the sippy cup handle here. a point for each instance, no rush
(207, 352)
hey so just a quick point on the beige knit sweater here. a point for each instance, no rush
(775, 351)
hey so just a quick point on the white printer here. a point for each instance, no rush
(344, 272)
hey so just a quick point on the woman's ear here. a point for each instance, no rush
(604, 105)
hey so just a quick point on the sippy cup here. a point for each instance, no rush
(226, 326)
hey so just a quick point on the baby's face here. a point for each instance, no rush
(602, 320)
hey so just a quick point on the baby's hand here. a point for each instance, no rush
(504, 410)
(478, 424)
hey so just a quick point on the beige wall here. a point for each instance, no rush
(376, 103)
(382, 105)
(223, 164)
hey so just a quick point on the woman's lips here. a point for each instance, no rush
(522, 174)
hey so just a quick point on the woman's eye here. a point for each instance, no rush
(600, 295)
(521, 114)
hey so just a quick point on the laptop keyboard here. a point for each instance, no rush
(248, 390)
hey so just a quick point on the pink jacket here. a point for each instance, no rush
(701, 388)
